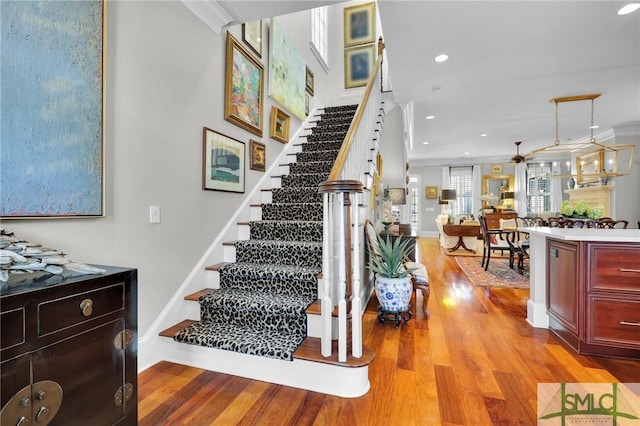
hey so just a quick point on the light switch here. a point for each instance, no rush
(154, 214)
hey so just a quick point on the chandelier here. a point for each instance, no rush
(589, 161)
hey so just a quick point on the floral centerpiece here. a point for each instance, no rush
(580, 210)
(489, 199)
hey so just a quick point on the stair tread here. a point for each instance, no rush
(217, 266)
(310, 350)
(195, 296)
(263, 268)
(175, 329)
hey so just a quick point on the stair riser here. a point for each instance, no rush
(293, 231)
(304, 181)
(279, 254)
(323, 142)
(311, 167)
(271, 285)
(317, 156)
(311, 212)
(261, 320)
(295, 195)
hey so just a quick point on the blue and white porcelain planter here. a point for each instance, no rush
(393, 293)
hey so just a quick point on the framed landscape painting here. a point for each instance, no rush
(52, 114)
(243, 88)
(258, 156)
(222, 162)
(358, 62)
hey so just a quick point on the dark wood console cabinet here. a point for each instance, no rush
(593, 296)
(69, 350)
(493, 219)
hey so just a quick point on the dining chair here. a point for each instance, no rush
(607, 223)
(565, 222)
(493, 239)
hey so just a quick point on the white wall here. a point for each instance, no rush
(165, 81)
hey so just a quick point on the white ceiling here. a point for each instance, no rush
(507, 59)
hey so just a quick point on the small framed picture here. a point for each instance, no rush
(496, 168)
(397, 195)
(358, 62)
(279, 128)
(431, 192)
(309, 81)
(258, 156)
(252, 36)
(359, 24)
(306, 104)
(222, 162)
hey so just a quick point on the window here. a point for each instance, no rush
(538, 187)
(462, 182)
(413, 197)
(320, 36)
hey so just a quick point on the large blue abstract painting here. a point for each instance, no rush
(51, 116)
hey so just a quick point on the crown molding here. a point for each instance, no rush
(215, 14)
(630, 130)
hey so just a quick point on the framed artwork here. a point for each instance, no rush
(243, 93)
(53, 110)
(258, 155)
(286, 71)
(252, 36)
(431, 192)
(397, 195)
(222, 162)
(306, 105)
(589, 166)
(279, 128)
(359, 24)
(496, 168)
(309, 81)
(358, 62)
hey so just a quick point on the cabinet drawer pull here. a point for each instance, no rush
(637, 324)
(629, 270)
(86, 306)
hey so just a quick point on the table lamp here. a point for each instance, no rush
(448, 195)
(507, 199)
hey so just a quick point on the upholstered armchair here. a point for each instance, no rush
(449, 241)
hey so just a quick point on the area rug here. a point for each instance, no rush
(498, 275)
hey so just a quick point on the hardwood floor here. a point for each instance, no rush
(475, 361)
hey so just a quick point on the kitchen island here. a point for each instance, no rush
(585, 287)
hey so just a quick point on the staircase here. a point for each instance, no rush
(261, 307)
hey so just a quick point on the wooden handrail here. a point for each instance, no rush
(346, 145)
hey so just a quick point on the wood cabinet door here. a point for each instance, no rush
(563, 276)
(90, 370)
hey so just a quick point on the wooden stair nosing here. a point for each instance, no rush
(310, 350)
(217, 266)
(175, 329)
(195, 296)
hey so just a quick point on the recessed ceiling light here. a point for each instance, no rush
(441, 58)
(425, 143)
(466, 153)
(483, 135)
(630, 8)
(430, 117)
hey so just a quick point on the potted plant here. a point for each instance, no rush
(393, 279)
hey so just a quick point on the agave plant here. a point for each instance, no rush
(388, 260)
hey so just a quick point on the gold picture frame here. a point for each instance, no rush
(431, 192)
(496, 168)
(309, 83)
(279, 125)
(358, 65)
(244, 88)
(258, 155)
(359, 24)
(588, 166)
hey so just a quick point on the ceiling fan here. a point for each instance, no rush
(517, 158)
